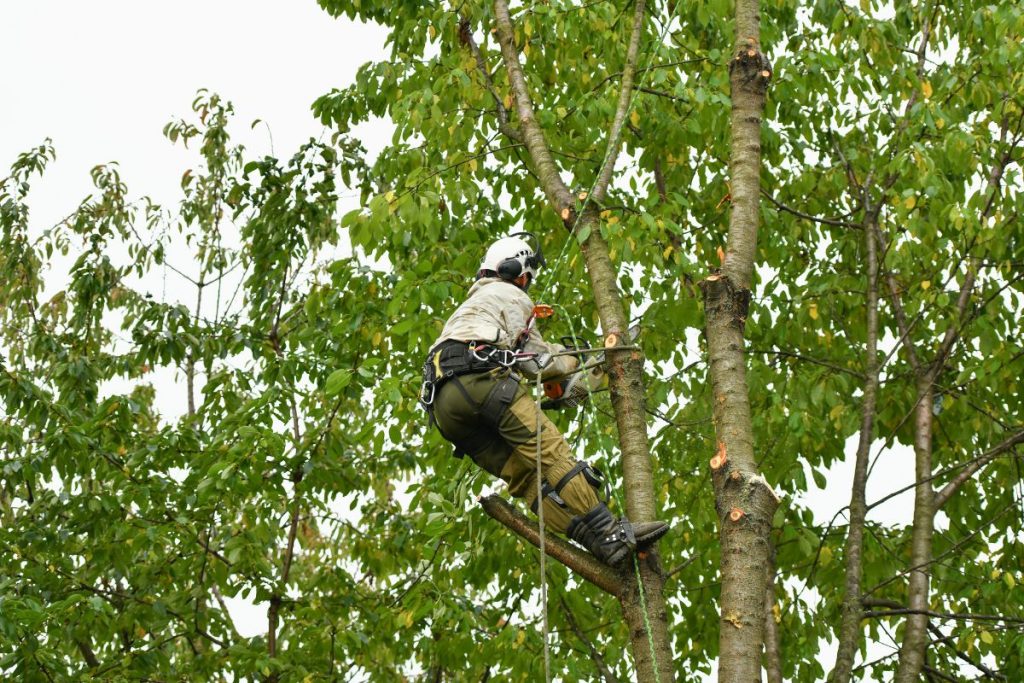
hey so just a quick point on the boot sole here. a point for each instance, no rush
(651, 537)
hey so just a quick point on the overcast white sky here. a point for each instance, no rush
(101, 78)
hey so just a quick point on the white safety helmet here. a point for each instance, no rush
(512, 256)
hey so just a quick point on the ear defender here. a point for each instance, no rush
(510, 269)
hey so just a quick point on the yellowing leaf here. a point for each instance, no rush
(634, 118)
(472, 165)
(812, 310)
(910, 202)
(940, 123)
(986, 637)
(926, 88)
(926, 284)
(508, 101)
(377, 338)
(432, 31)
(836, 412)
(1009, 580)
(668, 252)
(612, 220)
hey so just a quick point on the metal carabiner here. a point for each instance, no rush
(477, 356)
(425, 398)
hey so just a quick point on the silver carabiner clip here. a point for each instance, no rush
(427, 399)
(477, 356)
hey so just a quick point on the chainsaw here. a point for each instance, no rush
(590, 378)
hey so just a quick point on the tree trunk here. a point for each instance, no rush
(744, 501)
(643, 603)
(915, 633)
(850, 630)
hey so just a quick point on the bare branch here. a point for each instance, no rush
(809, 359)
(800, 214)
(466, 35)
(550, 178)
(606, 673)
(965, 616)
(948, 641)
(622, 108)
(959, 480)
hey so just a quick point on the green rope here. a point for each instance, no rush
(540, 505)
(618, 502)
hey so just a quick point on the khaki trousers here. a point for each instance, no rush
(509, 449)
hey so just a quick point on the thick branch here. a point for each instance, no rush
(772, 648)
(551, 181)
(579, 561)
(87, 653)
(622, 108)
(743, 500)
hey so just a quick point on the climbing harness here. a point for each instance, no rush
(594, 477)
(451, 359)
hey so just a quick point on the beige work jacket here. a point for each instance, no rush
(496, 312)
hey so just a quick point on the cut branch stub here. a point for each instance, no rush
(754, 68)
(736, 514)
(720, 294)
(719, 458)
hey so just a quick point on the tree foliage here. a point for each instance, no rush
(290, 466)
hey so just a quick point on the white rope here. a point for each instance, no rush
(540, 518)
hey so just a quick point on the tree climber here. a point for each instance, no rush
(472, 391)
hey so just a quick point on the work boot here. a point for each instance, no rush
(647, 533)
(612, 540)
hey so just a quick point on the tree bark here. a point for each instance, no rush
(850, 629)
(648, 627)
(744, 501)
(915, 633)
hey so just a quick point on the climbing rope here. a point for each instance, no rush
(618, 501)
(540, 519)
(641, 73)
